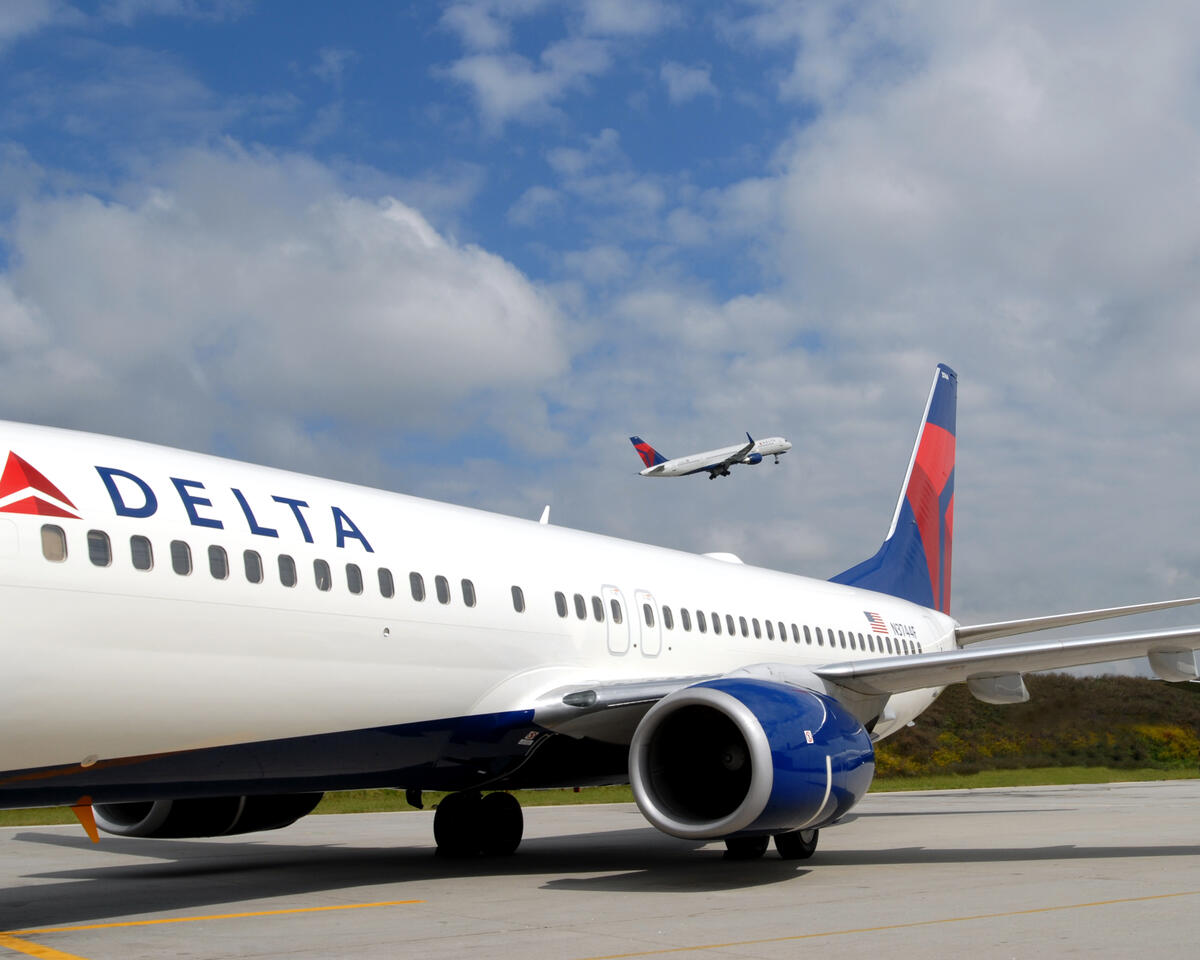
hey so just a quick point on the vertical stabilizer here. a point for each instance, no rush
(650, 456)
(914, 561)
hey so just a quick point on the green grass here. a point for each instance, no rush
(375, 801)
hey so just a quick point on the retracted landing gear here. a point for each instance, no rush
(468, 825)
(796, 844)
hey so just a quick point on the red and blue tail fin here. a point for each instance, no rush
(914, 561)
(650, 456)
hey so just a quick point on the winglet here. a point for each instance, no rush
(87, 819)
(748, 437)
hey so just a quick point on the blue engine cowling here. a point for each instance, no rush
(754, 458)
(742, 756)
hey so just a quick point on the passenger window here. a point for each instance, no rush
(442, 587)
(598, 609)
(841, 637)
(871, 642)
(387, 586)
(820, 637)
(580, 607)
(616, 610)
(99, 549)
(668, 620)
(321, 575)
(716, 624)
(252, 562)
(468, 589)
(770, 632)
(889, 645)
(757, 628)
(807, 635)
(560, 603)
(701, 624)
(287, 570)
(354, 580)
(518, 596)
(648, 613)
(141, 552)
(730, 625)
(686, 618)
(416, 583)
(54, 543)
(783, 633)
(181, 558)
(218, 562)
(852, 644)
(745, 628)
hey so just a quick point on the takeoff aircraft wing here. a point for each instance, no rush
(735, 457)
(1170, 652)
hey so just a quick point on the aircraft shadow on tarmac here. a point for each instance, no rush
(179, 875)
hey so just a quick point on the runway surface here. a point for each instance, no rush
(1110, 871)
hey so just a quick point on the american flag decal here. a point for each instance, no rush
(876, 622)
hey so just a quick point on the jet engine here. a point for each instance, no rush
(753, 458)
(203, 816)
(738, 756)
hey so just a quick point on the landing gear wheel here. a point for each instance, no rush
(745, 848)
(456, 825)
(796, 844)
(500, 825)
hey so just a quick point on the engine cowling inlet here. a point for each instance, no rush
(742, 756)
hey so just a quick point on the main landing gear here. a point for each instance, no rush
(793, 845)
(469, 825)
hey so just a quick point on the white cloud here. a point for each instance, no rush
(509, 87)
(253, 283)
(20, 18)
(627, 17)
(477, 25)
(332, 62)
(686, 83)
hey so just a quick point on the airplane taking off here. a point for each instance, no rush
(197, 647)
(715, 462)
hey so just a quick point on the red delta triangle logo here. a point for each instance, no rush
(19, 477)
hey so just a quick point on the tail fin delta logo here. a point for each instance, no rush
(24, 489)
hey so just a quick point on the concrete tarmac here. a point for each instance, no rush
(1095, 871)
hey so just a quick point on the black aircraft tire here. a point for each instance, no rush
(745, 848)
(501, 824)
(456, 825)
(797, 844)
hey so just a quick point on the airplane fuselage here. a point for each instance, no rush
(285, 632)
(715, 460)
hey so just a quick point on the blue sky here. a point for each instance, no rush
(465, 250)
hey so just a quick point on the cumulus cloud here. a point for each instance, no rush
(686, 83)
(509, 87)
(253, 282)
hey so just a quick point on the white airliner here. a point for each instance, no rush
(194, 646)
(715, 462)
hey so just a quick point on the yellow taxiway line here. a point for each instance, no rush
(12, 941)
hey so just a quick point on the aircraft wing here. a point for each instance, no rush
(610, 710)
(1170, 653)
(734, 457)
(993, 631)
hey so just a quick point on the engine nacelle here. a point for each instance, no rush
(742, 756)
(754, 458)
(203, 816)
